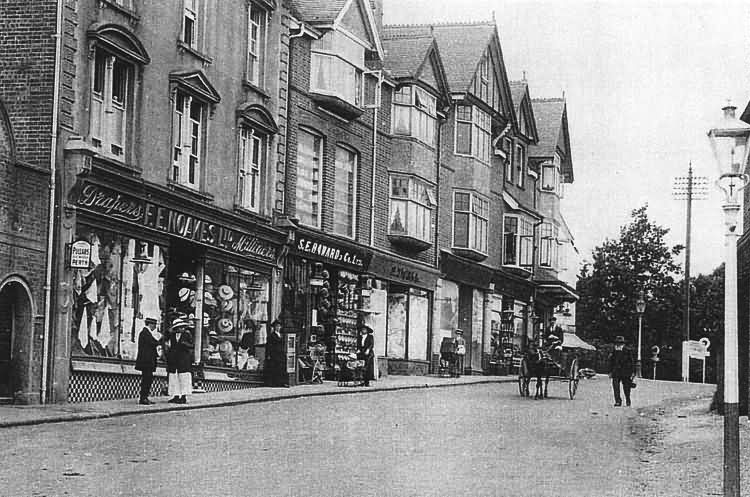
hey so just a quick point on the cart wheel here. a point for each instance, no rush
(572, 388)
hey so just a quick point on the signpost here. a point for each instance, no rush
(695, 349)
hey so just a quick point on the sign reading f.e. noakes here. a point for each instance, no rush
(113, 204)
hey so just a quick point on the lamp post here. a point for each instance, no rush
(729, 144)
(640, 308)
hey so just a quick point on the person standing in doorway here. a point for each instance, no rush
(145, 362)
(275, 358)
(366, 352)
(460, 347)
(179, 361)
(621, 370)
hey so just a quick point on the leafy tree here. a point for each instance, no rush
(639, 260)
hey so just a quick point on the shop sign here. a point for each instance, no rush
(173, 222)
(332, 253)
(394, 270)
(80, 254)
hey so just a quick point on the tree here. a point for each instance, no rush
(639, 260)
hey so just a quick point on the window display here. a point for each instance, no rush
(235, 316)
(123, 285)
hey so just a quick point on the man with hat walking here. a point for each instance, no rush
(621, 370)
(179, 361)
(145, 362)
(460, 347)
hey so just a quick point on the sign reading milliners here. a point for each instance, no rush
(104, 201)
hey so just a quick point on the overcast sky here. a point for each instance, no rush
(643, 81)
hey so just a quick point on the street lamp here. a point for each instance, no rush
(640, 308)
(729, 144)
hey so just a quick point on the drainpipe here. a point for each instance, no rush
(374, 162)
(51, 217)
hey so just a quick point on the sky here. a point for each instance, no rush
(643, 81)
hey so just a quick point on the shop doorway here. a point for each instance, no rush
(15, 335)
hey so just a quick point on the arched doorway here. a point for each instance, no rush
(15, 339)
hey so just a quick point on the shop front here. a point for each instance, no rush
(402, 301)
(326, 297)
(140, 251)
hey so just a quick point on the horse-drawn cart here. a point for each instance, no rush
(558, 363)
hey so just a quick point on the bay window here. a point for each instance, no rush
(256, 38)
(337, 64)
(344, 192)
(252, 157)
(414, 114)
(470, 221)
(411, 210)
(309, 177)
(110, 102)
(548, 247)
(187, 139)
(518, 241)
(473, 129)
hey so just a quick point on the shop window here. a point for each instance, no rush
(256, 40)
(235, 316)
(470, 220)
(473, 127)
(407, 323)
(344, 192)
(252, 156)
(397, 321)
(124, 284)
(111, 92)
(518, 235)
(414, 114)
(309, 178)
(412, 206)
(188, 135)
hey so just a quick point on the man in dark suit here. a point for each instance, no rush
(621, 370)
(366, 352)
(145, 362)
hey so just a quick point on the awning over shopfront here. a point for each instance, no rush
(557, 291)
(571, 341)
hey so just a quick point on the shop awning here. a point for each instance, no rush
(572, 341)
(556, 290)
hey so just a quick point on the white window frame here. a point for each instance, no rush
(252, 159)
(109, 116)
(188, 137)
(256, 44)
(478, 216)
(548, 245)
(316, 194)
(419, 105)
(342, 54)
(353, 185)
(520, 164)
(523, 240)
(481, 130)
(411, 199)
(190, 17)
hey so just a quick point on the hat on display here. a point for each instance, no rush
(459, 331)
(225, 292)
(184, 294)
(227, 305)
(225, 325)
(207, 280)
(208, 299)
(186, 277)
(619, 339)
(150, 320)
(178, 323)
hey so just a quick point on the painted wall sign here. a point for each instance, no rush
(80, 254)
(113, 204)
(331, 252)
(393, 269)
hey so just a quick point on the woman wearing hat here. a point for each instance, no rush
(621, 370)
(179, 361)
(366, 352)
(275, 358)
(148, 339)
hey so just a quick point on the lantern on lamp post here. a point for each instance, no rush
(640, 308)
(729, 144)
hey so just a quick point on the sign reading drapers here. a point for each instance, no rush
(104, 201)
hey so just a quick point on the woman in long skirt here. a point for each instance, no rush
(179, 361)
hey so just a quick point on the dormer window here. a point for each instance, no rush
(337, 64)
(551, 175)
(414, 114)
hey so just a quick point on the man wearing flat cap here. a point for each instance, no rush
(366, 352)
(621, 370)
(145, 362)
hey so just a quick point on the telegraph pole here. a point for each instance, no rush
(688, 188)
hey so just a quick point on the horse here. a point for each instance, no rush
(540, 365)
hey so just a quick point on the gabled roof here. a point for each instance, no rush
(416, 59)
(334, 14)
(519, 91)
(552, 125)
(461, 45)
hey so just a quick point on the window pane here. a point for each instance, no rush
(462, 201)
(463, 138)
(308, 178)
(343, 200)
(461, 230)
(509, 256)
(397, 224)
(400, 186)
(100, 66)
(401, 119)
(119, 82)
(396, 338)
(419, 315)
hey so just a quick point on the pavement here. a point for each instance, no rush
(17, 415)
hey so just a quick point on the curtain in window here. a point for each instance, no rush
(308, 178)
(343, 197)
(510, 232)
(419, 305)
